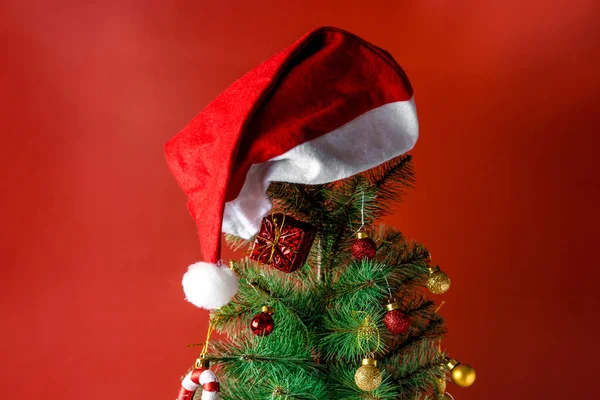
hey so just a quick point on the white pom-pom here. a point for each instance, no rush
(208, 285)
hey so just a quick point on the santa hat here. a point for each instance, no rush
(328, 107)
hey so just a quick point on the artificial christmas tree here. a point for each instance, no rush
(298, 161)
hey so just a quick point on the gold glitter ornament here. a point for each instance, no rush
(462, 374)
(438, 282)
(368, 377)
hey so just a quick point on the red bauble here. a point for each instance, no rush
(262, 324)
(363, 247)
(395, 320)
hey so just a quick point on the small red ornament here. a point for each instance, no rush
(262, 324)
(283, 242)
(395, 320)
(363, 246)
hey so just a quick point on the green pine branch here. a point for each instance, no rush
(392, 179)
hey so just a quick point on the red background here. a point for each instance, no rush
(95, 233)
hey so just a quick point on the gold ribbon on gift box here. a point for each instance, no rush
(273, 243)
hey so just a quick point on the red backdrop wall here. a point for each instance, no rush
(95, 233)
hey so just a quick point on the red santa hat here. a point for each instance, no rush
(328, 107)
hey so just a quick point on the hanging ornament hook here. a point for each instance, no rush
(387, 284)
(440, 338)
(205, 347)
(362, 212)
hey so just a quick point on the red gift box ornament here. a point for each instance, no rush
(283, 242)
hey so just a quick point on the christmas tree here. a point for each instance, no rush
(297, 162)
(354, 300)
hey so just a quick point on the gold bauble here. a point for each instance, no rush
(368, 377)
(438, 282)
(462, 374)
